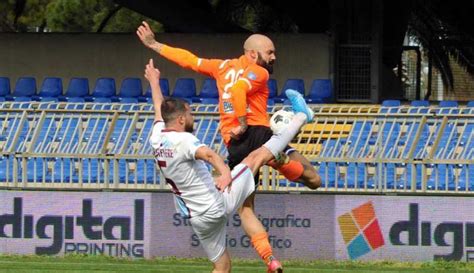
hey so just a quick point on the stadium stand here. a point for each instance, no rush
(320, 92)
(295, 84)
(209, 89)
(369, 148)
(185, 88)
(104, 88)
(106, 147)
(4, 87)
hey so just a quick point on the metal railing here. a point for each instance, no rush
(355, 148)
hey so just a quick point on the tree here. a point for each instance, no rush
(69, 16)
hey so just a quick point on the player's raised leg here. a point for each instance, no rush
(298, 168)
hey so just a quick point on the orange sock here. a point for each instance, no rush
(292, 170)
(262, 246)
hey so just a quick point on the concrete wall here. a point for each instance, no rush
(122, 55)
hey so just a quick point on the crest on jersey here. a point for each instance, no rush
(252, 76)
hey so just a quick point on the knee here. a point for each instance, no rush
(313, 180)
(223, 267)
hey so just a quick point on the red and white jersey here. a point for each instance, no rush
(189, 179)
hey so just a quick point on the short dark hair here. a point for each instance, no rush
(172, 107)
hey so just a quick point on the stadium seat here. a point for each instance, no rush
(49, 99)
(104, 88)
(165, 90)
(390, 106)
(272, 88)
(51, 87)
(419, 106)
(184, 88)
(295, 84)
(448, 103)
(129, 100)
(470, 104)
(320, 92)
(78, 87)
(210, 101)
(76, 99)
(102, 100)
(448, 107)
(420, 103)
(4, 86)
(391, 103)
(25, 87)
(209, 89)
(131, 88)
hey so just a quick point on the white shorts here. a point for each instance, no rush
(211, 226)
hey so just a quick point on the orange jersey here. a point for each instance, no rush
(242, 87)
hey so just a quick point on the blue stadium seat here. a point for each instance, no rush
(104, 88)
(272, 88)
(129, 100)
(320, 92)
(25, 87)
(165, 90)
(419, 107)
(76, 99)
(391, 103)
(214, 101)
(184, 88)
(102, 100)
(390, 106)
(51, 87)
(420, 103)
(295, 84)
(22, 99)
(209, 89)
(78, 87)
(131, 88)
(4, 86)
(448, 103)
(470, 103)
(49, 99)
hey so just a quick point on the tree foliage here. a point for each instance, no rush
(69, 16)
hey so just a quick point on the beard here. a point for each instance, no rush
(267, 65)
(189, 127)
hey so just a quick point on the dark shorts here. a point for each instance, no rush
(252, 139)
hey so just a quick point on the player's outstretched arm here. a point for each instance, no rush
(179, 56)
(147, 37)
(208, 155)
(152, 74)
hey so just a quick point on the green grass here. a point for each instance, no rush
(79, 263)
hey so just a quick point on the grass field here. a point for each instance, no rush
(107, 264)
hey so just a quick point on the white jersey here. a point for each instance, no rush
(189, 179)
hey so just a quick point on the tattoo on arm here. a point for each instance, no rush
(243, 122)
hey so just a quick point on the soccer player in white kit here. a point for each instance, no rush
(205, 200)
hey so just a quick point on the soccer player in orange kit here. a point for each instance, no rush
(244, 123)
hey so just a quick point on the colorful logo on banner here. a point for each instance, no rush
(361, 230)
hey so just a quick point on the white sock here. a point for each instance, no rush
(278, 142)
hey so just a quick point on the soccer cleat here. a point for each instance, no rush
(298, 104)
(274, 266)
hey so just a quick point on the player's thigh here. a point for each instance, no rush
(241, 188)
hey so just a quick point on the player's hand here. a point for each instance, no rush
(237, 132)
(222, 182)
(146, 35)
(152, 74)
